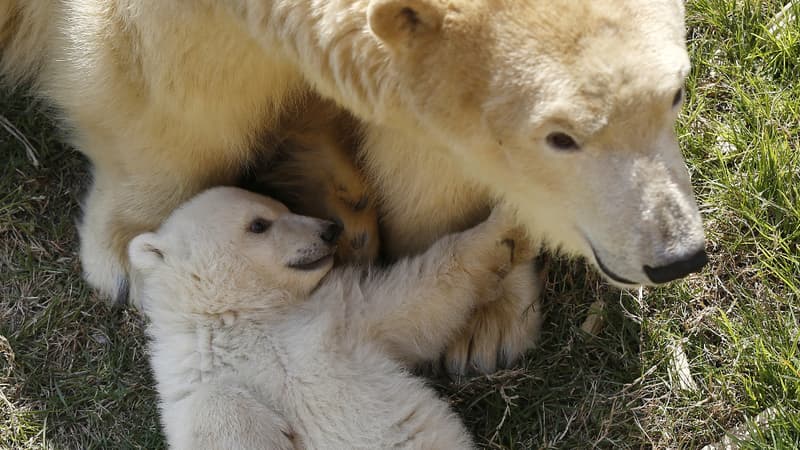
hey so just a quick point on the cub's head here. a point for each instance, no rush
(564, 108)
(230, 249)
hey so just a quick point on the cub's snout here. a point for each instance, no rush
(310, 242)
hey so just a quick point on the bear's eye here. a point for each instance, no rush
(562, 141)
(678, 97)
(259, 225)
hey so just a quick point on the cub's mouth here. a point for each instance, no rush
(313, 261)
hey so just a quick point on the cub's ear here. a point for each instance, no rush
(399, 22)
(145, 251)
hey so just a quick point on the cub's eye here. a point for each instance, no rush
(678, 97)
(562, 141)
(259, 225)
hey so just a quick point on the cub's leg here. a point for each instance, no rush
(226, 417)
(418, 305)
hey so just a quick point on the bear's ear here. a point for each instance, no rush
(399, 22)
(145, 251)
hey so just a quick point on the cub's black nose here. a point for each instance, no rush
(677, 269)
(331, 233)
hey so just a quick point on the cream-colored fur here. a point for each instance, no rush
(461, 101)
(250, 351)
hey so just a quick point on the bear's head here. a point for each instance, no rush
(230, 249)
(565, 108)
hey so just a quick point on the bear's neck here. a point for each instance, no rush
(332, 45)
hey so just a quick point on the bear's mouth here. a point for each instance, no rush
(604, 269)
(312, 263)
(609, 273)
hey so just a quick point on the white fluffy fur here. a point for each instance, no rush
(284, 360)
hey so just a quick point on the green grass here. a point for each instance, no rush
(73, 372)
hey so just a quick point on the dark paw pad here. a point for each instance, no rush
(359, 241)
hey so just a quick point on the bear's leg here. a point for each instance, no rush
(101, 244)
(499, 332)
(122, 204)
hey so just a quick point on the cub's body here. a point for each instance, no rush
(331, 385)
(256, 343)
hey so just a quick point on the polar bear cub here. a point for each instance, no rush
(257, 343)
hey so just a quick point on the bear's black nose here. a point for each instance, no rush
(331, 233)
(677, 269)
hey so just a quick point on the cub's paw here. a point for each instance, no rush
(360, 240)
(502, 330)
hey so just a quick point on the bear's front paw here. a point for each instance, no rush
(499, 332)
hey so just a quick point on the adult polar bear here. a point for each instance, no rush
(565, 108)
